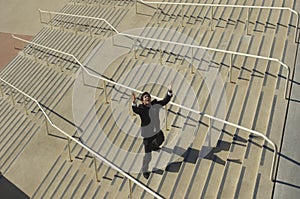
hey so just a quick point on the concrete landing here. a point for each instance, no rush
(288, 178)
(23, 18)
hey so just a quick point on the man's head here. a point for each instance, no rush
(146, 98)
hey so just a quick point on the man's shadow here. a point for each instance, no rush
(191, 155)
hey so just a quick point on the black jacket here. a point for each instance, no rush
(150, 124)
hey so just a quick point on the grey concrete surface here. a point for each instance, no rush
(288, 179)
(29, 170)
(22, 17)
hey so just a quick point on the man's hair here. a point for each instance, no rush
(145, 93)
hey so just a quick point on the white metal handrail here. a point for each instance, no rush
(228, 6)
(82, 145)
(172, 103)
(186, 45)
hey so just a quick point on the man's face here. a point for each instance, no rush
(146, 99)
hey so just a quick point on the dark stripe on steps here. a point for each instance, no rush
(68, 185)
(65, 175)
(256, 185)
(254, 122)
(46, 177)
(282, 74)
(78, 186)
(224, 179)
(53, 179)
(238, 188)
(272, 114)
(87, 188)
(21, 150)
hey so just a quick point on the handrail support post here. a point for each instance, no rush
(40, 14)
(247, 21)
(96, 169)
(90, 27)
(166, 109)
(160, 54)
(157, 17)
(50, 19)
(34, 54)
(46, 125)
(192, 65)
(1, 90)
(135, 48)
(211, 22)
(69, 149)
(209, 132)
(12, 96)
(296, 28)
(105, 91)
(112, 37)
(230, 67)
(74, 22)
(25, 104)
(130, 188)
(182, 17)
(47, 60)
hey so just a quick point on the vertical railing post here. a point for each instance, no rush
(287, 83)
(40, 14)
(34, 54)
(1, 90)
(296, 29)
(12, 96)
(90, 27)
(14, 44)
(47, 60)
(25, 104)
(209, 132)
(82, 73)
(230, 67)
(96, 169)
(130, 188)
(69, 149)
(166, 109)
(61, 23)
(134, 46)
(50, 19)
(211, 22)
(112, 37)
(105, 91)
(160, 53)
(46, 125)
(135, 6)
(157, 20)
(74, 21)
(247, 21)
(182, 18)
(275, 162)
(192, 65)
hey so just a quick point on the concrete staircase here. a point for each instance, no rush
(238, 166)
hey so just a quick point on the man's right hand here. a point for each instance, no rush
(133, 97)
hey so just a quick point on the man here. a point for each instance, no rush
(150, 124)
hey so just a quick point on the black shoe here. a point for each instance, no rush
(146, 175)
(156, 148)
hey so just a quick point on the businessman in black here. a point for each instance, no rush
(150, 125)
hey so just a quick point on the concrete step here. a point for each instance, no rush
(240, 171)
(38, 86)
(98, 29)
(103, 3)
(12, 144)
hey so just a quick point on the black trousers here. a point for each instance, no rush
(149, 145)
